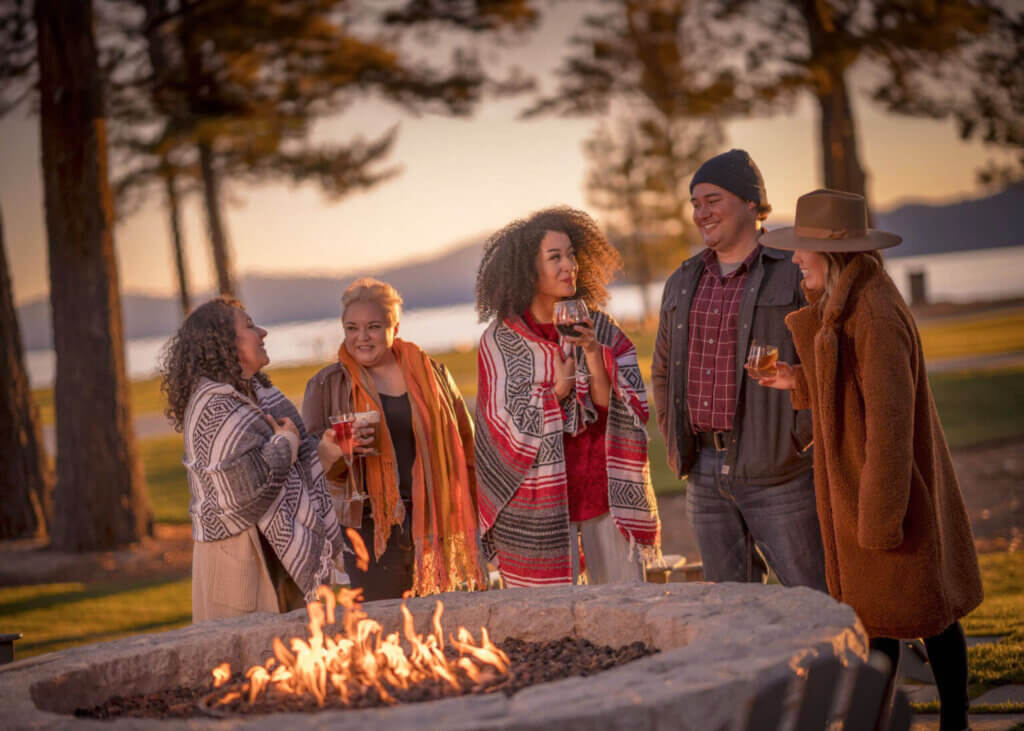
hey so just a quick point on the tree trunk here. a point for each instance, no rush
(100, 500)
(25, 477)
(174, 217)
(828, 65)
(839, 155)
(156, 14)
(195, 82)
(218, 239)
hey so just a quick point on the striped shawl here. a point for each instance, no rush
(241, 475)
(520, 458)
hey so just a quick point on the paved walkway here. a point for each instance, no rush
(917, 682)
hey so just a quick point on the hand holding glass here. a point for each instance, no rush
(761, 360)
(366, 432)
(357, 433)
(568, 314)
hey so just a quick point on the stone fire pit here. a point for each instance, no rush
(719, 643)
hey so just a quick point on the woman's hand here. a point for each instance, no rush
(286, 428)
(587, 339)
(600, 385)
(329, 450)
(362, 440)
(783, 379)
(282, 425)
(565, 376)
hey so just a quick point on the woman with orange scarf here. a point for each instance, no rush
(410, 491)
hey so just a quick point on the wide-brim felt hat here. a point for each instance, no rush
(830, 220)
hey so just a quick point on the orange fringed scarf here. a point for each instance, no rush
(443, 503)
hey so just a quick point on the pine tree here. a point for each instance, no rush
(25, 478)
(100, 499)
(631, 62)
(234, 89)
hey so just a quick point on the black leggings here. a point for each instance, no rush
(947, 654)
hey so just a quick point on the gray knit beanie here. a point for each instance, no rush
(735, 172)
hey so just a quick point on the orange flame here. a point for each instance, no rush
(359, 548)
(359, 657)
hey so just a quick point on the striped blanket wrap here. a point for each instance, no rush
(520, 457)
(241, 475)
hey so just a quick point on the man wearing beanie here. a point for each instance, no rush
(750, 492)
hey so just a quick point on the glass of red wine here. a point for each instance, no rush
(344, 428)
(569, 314)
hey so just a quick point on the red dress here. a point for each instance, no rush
(586, 473)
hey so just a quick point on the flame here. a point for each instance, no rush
(359, 657)
(359, 548)
(221, 674)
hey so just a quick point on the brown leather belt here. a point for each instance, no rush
(716, 440)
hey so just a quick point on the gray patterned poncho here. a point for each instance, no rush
(241, 475)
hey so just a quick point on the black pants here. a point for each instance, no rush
(390, 576)
(947, 654)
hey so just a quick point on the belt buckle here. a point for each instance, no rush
(716, 439)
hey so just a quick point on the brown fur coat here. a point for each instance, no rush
(898, 545)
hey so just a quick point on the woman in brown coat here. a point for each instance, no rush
(898, 545)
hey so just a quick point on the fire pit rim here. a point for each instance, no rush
(673, 608)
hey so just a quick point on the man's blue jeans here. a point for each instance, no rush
(730, 518)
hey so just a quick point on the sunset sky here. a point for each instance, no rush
(460, 179)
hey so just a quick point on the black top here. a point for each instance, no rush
(398, 417)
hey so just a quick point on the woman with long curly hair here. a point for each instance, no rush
(265, 531)
(407, 486)
(561, 443)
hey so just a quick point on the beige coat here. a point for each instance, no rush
(230, 578)
(898, 544)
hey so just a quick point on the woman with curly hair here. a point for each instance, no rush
(410, 488)
(561, 444)
(264, 528)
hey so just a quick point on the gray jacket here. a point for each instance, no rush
(768, 437)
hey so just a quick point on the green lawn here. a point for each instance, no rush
(57, 616)
(1002, 613)
(165, 478)
(977, 335)
(980, 406)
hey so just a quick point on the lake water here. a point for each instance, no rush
(962, 276)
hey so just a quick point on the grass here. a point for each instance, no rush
(979, 335)
(1007, 707)
(1002, 613)
(980, 406)
(57, 616)
(165, 478)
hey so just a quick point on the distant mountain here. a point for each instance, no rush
(448, 278)
(983, 223)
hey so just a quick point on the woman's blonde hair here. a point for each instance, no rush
(382, 294)
(836, 261)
